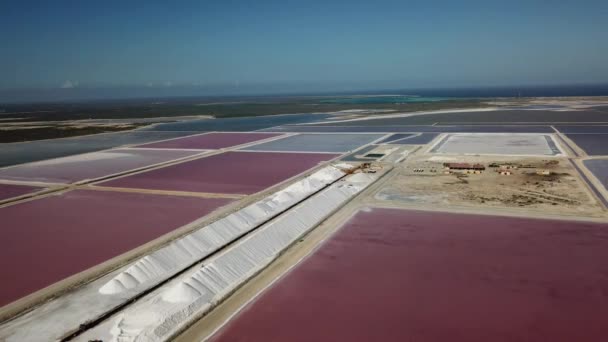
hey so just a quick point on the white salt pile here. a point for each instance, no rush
(163, 313)
(183, 252)
(66, 313)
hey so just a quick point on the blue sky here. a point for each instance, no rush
(320, 44)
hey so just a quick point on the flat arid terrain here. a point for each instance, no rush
(534, 184)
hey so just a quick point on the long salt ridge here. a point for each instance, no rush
(161, 315)
(187, 250)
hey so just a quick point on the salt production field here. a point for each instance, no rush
(91, 165)
(507, 144)
(362, 127)
(488, 116)
(337, 143)
(594, 144)
(13, 190)
(230, 172)
(599, 168)
(410, 139)
(211, 141)
(583, 128)
(244, 124)
(426, 276)
(463, 226)
(24, 152)
(73, 231)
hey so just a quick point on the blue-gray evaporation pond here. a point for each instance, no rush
(409, 139)
(413, 129)
(243, 124)
(317, 143)
(25, 152)
(593, 144)
(599, 168)
(568, 129)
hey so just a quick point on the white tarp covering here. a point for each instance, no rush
(163, 313)
(517, 144)
(64, 314)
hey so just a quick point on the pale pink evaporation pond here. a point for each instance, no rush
(90, 165)
(211, 140)
(230, 172)
(397, 275)
(46, 240)
(14, 190)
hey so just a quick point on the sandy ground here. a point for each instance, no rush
(421, 181)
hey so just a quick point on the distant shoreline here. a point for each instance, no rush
(21, 123)
(92, 94)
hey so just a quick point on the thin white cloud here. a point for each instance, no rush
(69, 84)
